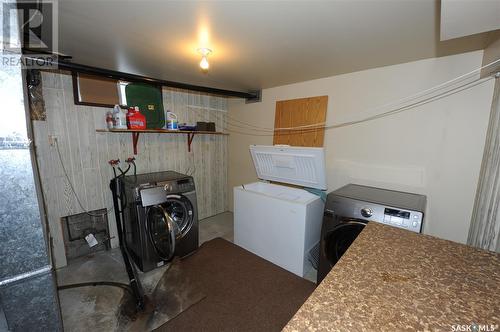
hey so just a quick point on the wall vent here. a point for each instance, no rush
(76, 227)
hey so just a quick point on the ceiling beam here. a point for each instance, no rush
(62, 64)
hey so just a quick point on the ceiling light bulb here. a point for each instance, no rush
(204, 65)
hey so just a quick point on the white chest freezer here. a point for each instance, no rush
(277, 222)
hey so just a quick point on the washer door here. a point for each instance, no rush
(180, 209)
(161, 231)
(338, 240)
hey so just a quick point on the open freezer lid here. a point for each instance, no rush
(303, 166)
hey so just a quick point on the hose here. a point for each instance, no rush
(98, 283)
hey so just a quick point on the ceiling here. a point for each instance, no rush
(464, 18)
(256, 44)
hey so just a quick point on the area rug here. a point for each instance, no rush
(243, 291)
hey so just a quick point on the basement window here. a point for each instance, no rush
(93, 90)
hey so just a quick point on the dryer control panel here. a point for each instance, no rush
(395, 208)
(389, 215)
(402, 218)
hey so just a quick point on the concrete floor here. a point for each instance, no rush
(220, 225)
(95, 308)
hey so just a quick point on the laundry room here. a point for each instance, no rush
(250, 165)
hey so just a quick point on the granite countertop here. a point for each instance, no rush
(393, 279)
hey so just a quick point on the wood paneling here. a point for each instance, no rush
(85, 153)
(300, 112)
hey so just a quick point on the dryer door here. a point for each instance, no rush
(161, 231)
(338, 240)
(180, 209)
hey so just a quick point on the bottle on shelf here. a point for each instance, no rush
(135, 120)
(109, 120)
(119, 118)
(172, 122)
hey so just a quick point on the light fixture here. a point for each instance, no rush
(204, 65)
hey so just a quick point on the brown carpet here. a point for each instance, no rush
(243, 291)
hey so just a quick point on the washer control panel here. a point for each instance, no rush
(156, 193)
(178, 186)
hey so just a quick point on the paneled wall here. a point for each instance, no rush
(85, 153)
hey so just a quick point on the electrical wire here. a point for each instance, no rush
(123, 172)
(393, 111)
(411, 106)
(193, 171)
(192, 167)
(135, 168)
(73, 188)
(419, 94)
(241, 125)
(449, 92)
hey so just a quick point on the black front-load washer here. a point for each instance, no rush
(337, 234)
(160, 218)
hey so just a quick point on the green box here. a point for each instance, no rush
(149, 100)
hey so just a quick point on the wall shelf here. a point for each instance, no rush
(135, 134)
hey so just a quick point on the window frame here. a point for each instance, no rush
(76, 93)
(121, 94)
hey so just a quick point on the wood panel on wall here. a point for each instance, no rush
(85, 154)
(300, 112)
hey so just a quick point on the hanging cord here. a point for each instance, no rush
(385, 114)
(108, 210)
(123, 172)
(241, 126)
(403, 108)
(131, 162)
(192, 168)
(135, 167)
(413, 105)
(193, 171)
(114, 164)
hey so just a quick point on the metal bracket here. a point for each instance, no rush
(135, 139)
(190, 140)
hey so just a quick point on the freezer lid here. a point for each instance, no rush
(303, 166)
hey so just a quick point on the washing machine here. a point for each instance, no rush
(160, 217)
(350, 208)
